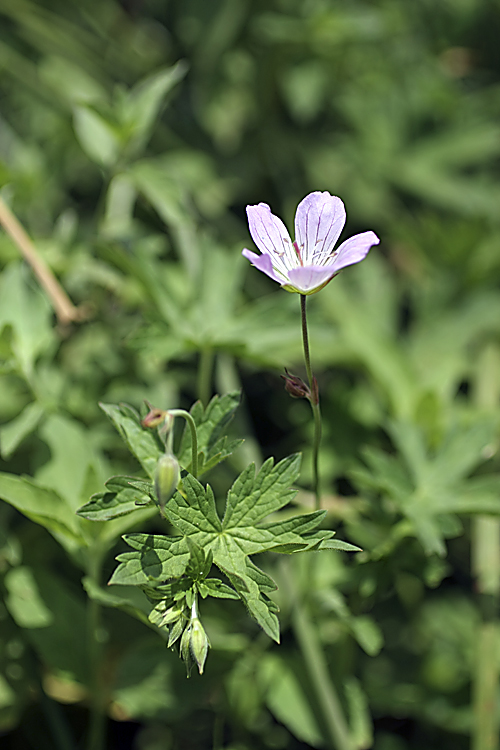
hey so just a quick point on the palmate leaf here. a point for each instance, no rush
(430, 487)
(213, 446)
(232, 540)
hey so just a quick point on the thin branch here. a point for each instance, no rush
(65, 310)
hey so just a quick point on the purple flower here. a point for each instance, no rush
(308, 264)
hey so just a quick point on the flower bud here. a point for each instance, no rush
(199, 643)
(295, 386)
(167, 476)
(154, 417)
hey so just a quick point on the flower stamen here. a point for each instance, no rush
(297, 250)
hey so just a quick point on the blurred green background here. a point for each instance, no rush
(132, 136)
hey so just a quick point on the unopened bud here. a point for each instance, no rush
(154, 417)
(295, 386)
(199, 643)
(167, 475)
(185, 648)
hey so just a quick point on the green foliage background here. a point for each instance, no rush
(132, 136)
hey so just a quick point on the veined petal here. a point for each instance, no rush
(319, 220)
(271, 236)
(264, 264)
(353, 250)
(307, 279)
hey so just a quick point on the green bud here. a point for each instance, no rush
(167, 475)
(199, 644)
(185, 650)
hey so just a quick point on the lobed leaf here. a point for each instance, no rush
(155, 558)
(122, 497)
(210, 424)
(216, 588)
(254, 496)
(140, 441)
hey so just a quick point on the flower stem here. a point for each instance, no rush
(313, 400)
(194, 437)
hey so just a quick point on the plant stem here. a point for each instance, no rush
(314, 658)
(205, 367)
(96, 737)
(194, 437)
(313, 400)
(485, 552)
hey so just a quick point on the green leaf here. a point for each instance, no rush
(367, 633)
(213, 446)
(156, 558)
(199, 563)
(24, 601)
(42, 506)
(146, 685)
(144, 101)
(140, 441)
(123, 496)
(99, 138)
(250, 582)
(27, 311)
(14, 432)
(361, 724)
(129, 598)
(253, 496)
(429, 486)
(286, 698)
(71, 457)
(59, 642)
(215, 587)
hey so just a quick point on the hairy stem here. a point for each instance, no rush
(313, 400)
(194, 437)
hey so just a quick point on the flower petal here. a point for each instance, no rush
(307, 279)
(353, 250)
(263, 263)
(271, 236)
(319, 220)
